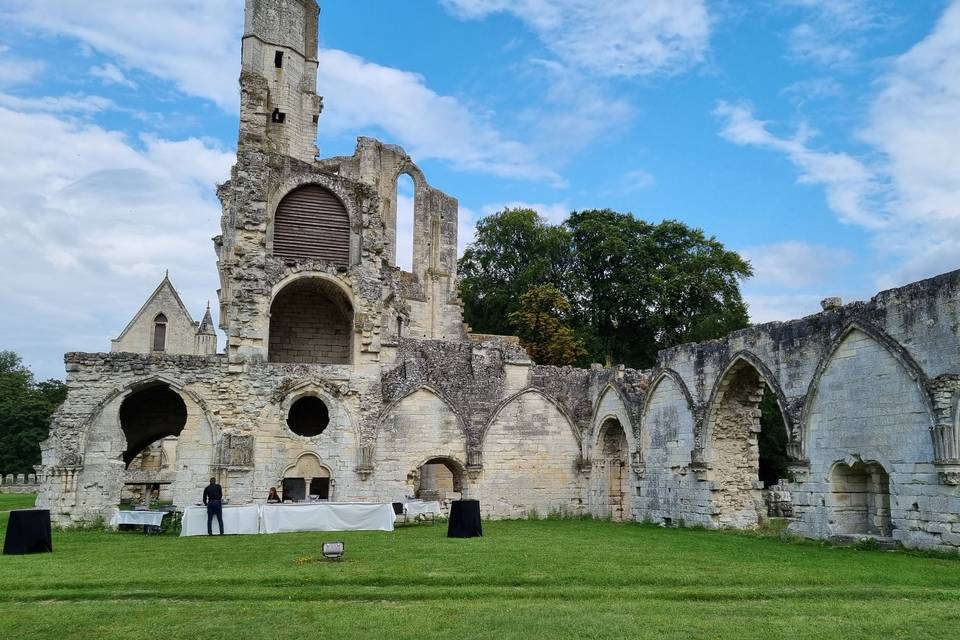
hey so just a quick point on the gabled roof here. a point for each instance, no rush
(156, 292)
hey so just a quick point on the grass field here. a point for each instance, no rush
(16, 500)
(546, 579)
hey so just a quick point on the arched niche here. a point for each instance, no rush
(306, 479)
(311, 322)
(610, 477)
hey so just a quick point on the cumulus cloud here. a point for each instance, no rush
(906, 192)
(360, 94)
(609, 38)
(194, 45)
(90, 221)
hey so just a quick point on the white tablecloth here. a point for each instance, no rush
(153, 518)
(327, 516)
(416, 507)
(237, 519)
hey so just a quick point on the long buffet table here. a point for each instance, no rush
(282, 518)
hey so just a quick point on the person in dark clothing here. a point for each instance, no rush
(213, 498)
(273, 497)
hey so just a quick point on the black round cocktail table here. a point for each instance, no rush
(28, 531)
(464, 519)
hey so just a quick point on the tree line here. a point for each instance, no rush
(25, 409)
(603, 286)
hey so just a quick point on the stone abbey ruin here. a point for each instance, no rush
(346, 378)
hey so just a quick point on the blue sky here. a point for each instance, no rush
(817, 137)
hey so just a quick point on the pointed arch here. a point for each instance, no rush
(503, 404)
(429, 389)
(892, 347)
(747, 358)
(659, 375)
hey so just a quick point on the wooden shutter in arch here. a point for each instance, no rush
(312, 223)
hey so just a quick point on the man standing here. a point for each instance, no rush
(213, 498)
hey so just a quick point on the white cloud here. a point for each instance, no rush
(907, 195)
(765, 307)
(361, 94)
(90, 222)
(833, 32)
(554, 213)
(609, 38)
(793, 264)
(111, 74)
(77, 103)
(637, 180)
(195, 45)
(851, 187)
(16, 70)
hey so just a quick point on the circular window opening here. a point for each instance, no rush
(308, 416)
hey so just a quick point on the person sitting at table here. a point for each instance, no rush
(272, 496)
(213, 498)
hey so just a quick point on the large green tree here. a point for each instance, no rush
(634, 287)
(25, 409)
(514, 251)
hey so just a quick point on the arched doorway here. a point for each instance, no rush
(307, 479)
(149, 415)
(311, 322)
(747, 444)
(613, 474)
(860, 499)
(439, 479)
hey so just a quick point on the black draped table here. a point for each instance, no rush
(28, 531)
(464, 519)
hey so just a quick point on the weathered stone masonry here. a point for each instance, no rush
(402, 389)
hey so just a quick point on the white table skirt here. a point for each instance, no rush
(416, 507)
(153, 518)
(327, 516)
(237, 519)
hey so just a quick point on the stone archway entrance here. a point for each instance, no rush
(613, 474)
(439, 479)
(308, 479)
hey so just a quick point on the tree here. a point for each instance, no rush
(539, 323)
(25, 410)
(514, 251)
(633, 287)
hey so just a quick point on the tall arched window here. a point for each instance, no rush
(405, 197)
(160, 332)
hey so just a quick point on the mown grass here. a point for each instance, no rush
(544, 579)
(16, 500)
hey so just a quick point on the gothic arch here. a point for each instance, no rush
(766, 376)
(506, 402)
(906, 361)
(658, 376)
(622, 416)
(429, 389)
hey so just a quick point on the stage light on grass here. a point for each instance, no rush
(333, 550)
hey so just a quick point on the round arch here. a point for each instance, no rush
(310, 321)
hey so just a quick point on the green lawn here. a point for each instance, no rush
(16, 500)
(547, 579)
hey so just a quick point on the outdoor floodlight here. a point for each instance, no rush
(332, 550)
